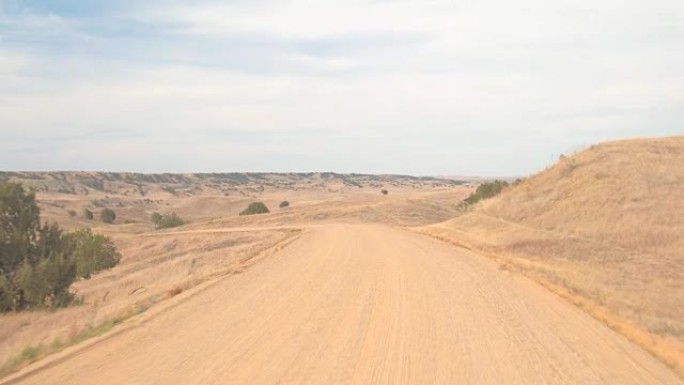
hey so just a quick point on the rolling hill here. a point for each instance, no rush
(604, 228)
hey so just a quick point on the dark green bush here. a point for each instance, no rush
(165, 221)
(108, 216)
(38, 262)
(92, 252)
(486, 190)
(255, 208)
(284, 204)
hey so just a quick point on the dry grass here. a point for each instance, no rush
(155, 268)
(33, 353)
(603, 228)
(159, 265)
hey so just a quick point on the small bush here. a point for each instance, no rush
(92, 252)
(384, 192)
(284, 204)
(165, 221)
(170, 190)
(108, 216)
(255, 208)
(71, 213)
(87, 214)
(485, 191)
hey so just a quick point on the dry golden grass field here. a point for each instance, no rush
(216, 241)
(344, 287)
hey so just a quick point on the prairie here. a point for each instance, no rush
(604, 228)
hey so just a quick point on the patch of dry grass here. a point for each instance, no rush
(602, 228)
(32, 353)
(154, 268)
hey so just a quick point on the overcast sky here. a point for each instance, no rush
(420, 87)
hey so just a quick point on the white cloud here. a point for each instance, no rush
(426, 86)
(11, 63)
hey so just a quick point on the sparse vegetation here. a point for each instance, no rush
(284, 204)
(87, 214)
(92, 252)
(384, 192)
(180, 261)
(608, 232)
(32, 353)
(72, 213)
(108, 216)
(170, 190)
(255, 208)
(165, 221)
(38, 262)
(486, 190)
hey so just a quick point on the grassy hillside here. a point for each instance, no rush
(628, 194)
(605, 228)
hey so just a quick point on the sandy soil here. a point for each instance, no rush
(602, 227)
(365, 304)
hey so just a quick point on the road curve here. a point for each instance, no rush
(359, 304)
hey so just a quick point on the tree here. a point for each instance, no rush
(108, 216)
(38, 262)
(92, 252)
(255, 208)
(35, 265)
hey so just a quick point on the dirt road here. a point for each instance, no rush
(358, 304)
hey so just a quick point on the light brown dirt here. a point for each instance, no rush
(606, 226)
(365, 304)
(159, 264)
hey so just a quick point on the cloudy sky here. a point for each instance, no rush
(428, 87)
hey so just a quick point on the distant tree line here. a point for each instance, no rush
(39, 262)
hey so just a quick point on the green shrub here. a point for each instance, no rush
(87, 214)
(486, 190)
(255, 208)
(108, 216)
(35, 265)
(92, 252)
(46, 284)
(38, 262)
(165, 221)
(284, 204)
